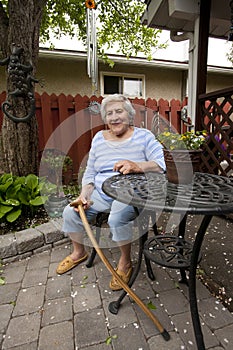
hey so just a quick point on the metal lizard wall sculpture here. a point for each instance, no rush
(22, 81)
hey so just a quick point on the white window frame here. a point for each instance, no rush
(122, 75)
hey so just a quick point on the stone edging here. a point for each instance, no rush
(22, 244)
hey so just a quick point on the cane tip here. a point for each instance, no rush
(165, 335)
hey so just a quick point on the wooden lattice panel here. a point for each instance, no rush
(217, 119)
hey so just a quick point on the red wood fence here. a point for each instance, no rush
(66, 123)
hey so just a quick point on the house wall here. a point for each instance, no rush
(68, 75)
(216, 81)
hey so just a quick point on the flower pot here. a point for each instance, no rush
(181, 164)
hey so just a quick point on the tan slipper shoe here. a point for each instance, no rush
(68, 263)
(114, 284)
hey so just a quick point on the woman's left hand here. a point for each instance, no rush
(127, 167)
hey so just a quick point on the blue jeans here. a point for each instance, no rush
(120, 218)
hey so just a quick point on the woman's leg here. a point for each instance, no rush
(73, 226)
(121, 224)
(124, 263)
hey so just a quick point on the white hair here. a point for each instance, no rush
(118, 98)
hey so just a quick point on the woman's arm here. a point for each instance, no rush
(127, 167)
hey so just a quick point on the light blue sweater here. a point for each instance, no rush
(142, 146)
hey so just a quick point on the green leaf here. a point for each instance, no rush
(5, 209)
(23, 197)
(40, 200)
(108, 340)
(13, 202)
(4, 187)
(12, 216)
(2, 281)
(12, 191)
(31, 181)
(151, 306)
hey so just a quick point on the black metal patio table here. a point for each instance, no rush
(206, 195)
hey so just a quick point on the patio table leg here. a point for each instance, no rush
(192, 281)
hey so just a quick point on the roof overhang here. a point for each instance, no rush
(180, 16)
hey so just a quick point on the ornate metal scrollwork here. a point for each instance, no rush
(22, 81)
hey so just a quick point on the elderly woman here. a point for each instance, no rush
(124, 149)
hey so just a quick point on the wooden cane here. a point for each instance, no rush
(158, 325)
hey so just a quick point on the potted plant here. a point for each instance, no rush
(182, 154)
(55, 164)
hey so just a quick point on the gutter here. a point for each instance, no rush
(140, 61)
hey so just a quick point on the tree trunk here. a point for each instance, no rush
(20, 139)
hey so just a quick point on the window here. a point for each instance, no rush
(127, 84)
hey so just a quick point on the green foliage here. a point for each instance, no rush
(151, 306)
(21, 195)
(109, 339)
(2, 279)
(119, 25)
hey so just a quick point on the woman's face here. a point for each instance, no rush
(117, 118)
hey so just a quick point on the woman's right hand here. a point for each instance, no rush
(83, 201)
(83, 198)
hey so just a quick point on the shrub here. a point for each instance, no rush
(21, 195)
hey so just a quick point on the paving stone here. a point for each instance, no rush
(125, 316)
(90, 328)
(1, 338)
(105, 290)
(42, 249)
(38, 261)
(22, 330)
(57, 310)
(17, 257)
(51, 232)
(89, 309)
(58, 287)
(8, 246)
(184, 327)
(174, 302)
(214, 314)
(86, 298)
(31, 346)
(5, 312)
(17, 263)
(58, 336)
(52, 270)
(13, 275)
(101, 346)
(162, 280)
(35, 277)
(28, 239)
(159, 343)
(29, 300)
(60, 252)
(128, 337)
(225, 336)
(100, 268)
(148, 326)
(63, 241)
(201, 290)
(142, 288)
(8, 292)
(82, 274)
